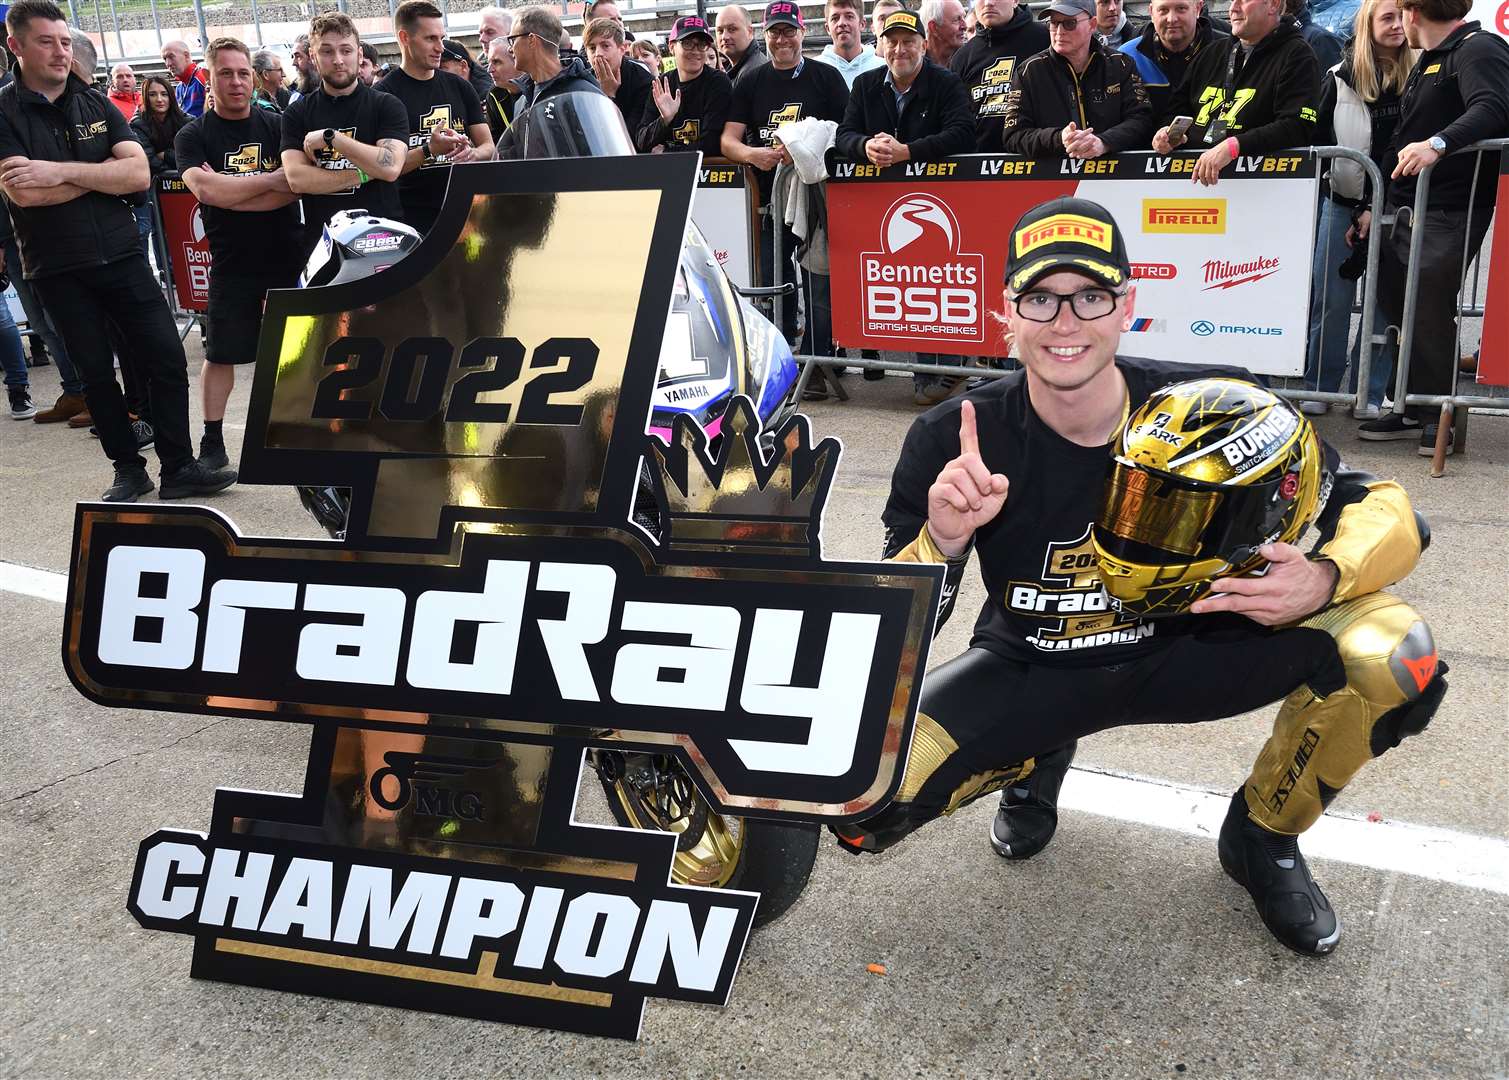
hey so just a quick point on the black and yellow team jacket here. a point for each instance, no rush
(1272, 98)
(987, 63)
(1045, 602)
(1047, 95)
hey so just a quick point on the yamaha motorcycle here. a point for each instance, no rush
(716, 346)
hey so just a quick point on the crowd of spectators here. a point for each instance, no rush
(271, 156)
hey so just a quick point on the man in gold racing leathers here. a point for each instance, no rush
(1136, 539)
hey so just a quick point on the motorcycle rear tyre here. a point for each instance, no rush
(774, 859)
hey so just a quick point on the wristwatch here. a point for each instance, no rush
(429, 155)
(330, 138)
(1436, 143)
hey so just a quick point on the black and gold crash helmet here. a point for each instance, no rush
(1202, 475)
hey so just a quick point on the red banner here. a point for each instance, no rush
(188, 250)
(1493, 362)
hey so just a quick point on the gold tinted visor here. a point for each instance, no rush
(1157, 511)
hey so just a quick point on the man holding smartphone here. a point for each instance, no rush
(1254, 95)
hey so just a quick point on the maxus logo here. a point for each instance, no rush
(920, 282)
(1184, 215)
(1205, 328)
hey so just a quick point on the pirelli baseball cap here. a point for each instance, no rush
(902, 20)
(783, 12)
(1067, 234)
(690, 26)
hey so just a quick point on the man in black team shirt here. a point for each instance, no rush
(787, 89)
(446, 125)
(1007, 35)
(67, 161)
(229, 160)
(343, 143)
(689, 104)
(1022, 472)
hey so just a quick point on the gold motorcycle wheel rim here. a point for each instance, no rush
(712, 860)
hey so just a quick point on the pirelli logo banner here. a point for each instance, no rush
(520, 575)
(1212, 272)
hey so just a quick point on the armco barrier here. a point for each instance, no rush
(1063, 178)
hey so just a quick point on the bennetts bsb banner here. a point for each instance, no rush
(188, 249)
(918, 252)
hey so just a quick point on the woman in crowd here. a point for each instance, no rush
(268, 91)
(158, 124)
(647, 54)
(1359, 108)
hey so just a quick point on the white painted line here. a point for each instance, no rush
(1478, 862)
(29, 581)
(1458, 858)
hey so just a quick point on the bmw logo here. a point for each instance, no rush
(1202, 328)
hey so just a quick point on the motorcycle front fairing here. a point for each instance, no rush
(716, 345)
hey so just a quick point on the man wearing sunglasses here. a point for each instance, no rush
(535, 43)
(1024, 472)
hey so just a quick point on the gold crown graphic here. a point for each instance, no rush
(743, 500)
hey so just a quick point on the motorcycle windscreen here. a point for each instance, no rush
(578, 124)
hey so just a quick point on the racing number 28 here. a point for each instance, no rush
(414, 384)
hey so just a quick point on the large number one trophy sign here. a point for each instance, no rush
(525, 574)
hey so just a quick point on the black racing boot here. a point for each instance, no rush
(1270, 867)
(1029, 810)
(131, 481)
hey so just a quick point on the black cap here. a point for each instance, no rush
(783, 12)
(1067, 234)
(452, 50)
(902, 20)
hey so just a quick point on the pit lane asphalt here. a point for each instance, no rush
(1122, 951)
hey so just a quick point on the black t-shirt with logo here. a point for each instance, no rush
(767, 97)
(699, 122)
(242, 242)
(364, 115)
(443, 101)
(1045, 603)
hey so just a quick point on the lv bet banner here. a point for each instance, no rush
(523, 574)
(918, 252)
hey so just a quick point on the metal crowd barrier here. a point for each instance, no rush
(1452, 401)
(1368, 343)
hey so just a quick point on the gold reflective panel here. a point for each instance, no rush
(493, 381)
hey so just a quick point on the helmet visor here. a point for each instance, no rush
(1151, 517)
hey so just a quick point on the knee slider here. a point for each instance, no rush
(1411, 718)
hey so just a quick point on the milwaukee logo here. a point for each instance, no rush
(1220, 274)
(1184, 215)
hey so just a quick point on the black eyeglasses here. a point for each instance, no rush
(1040, 305)
(511, 38)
